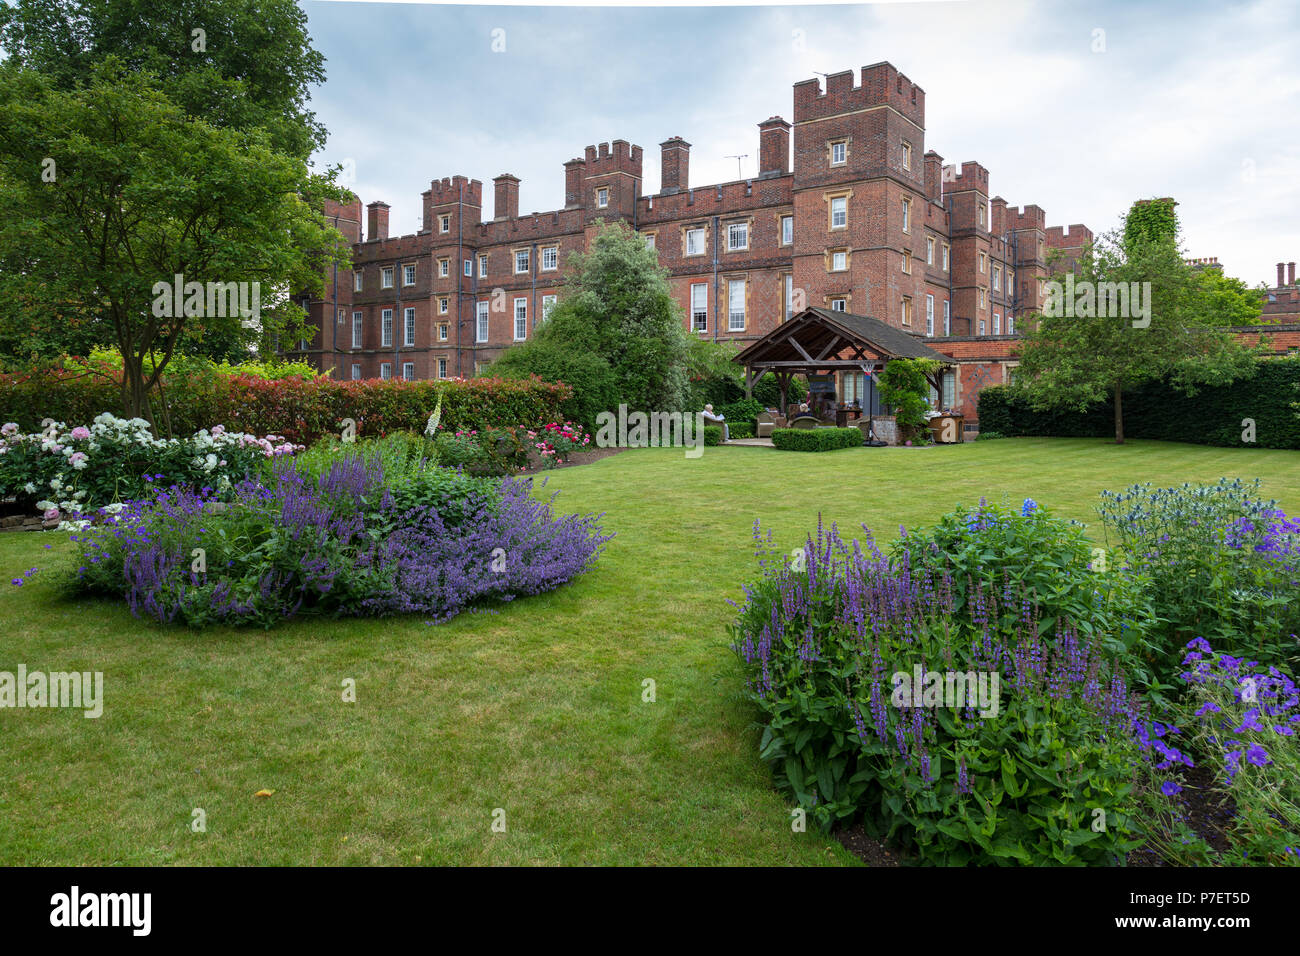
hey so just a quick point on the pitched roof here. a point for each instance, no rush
(885, 340)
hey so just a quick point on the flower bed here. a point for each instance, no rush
(342, 541)
(831, 642)
(64, 470)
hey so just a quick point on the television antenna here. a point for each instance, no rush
(738, 157)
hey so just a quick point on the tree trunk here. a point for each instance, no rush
(1119, 414)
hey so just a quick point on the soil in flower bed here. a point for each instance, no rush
(869, 851)
(577, 458)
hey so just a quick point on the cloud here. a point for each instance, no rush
(1194, 100)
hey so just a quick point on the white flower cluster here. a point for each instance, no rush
(107, 441)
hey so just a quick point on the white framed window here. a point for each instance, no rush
(981, 327)
(907, 155)
(385, 370)
(408, 275)
(700, 307)
(839, 261)
(521, 319)
(602, 197)
(444, 268)
(947, 317)
(551, 258)
(789, 295)
(356, 330)
(695, 242)
(929, 315)
(735, 305)
(444, 223)
(839, 304)
(356, 281)
(907, 215)
(1011, 324)
(983, 262)
(469, 268)
(997, 278)
(787, 230)
(983, 214)
(1011, 280)
(521, 261)
(907, 261)
(997, 323)
(356, 372)
(340, 316)
(386, 327)
(442, 305)
(929, 252)
(945, 257)
(408, 371)
(649, 240)
(442, 368)
(386, 277)
(839, 153)
(409, 324)
(907, 310)
(442, 332)
(481, 322)
(482, 267)
(548, 303)
(737, 236)
(984, 297)
(839, 212)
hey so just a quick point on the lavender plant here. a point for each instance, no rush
(338, 542)
(1047, 777)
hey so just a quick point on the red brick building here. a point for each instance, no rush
(1282, 302)
(850, 210)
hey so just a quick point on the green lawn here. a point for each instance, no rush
(537, 710)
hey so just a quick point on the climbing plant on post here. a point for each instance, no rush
(904, 387)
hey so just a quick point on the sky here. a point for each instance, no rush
(1081, 108)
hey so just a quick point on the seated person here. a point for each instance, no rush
(712, 419)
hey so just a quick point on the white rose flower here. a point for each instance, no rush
(30, 488)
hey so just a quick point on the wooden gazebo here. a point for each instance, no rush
(820, 341)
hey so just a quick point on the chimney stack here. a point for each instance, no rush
(675, 165)
(1290, 273)
(773, 147)
(377, 222)
(506, 203)
(1281, 273)
(574, 170)
(933, 176)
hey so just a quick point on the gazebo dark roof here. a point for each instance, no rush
(819, 328)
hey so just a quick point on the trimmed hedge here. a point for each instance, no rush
(712, 435)
(301, 411)
(816, 439)
(1213, 416)
(741, 429)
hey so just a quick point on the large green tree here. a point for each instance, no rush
(237, 64)
(617, 308)
(109, 188)
(1136, 311)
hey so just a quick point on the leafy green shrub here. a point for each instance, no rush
(712, 435)
(816, 439)
(830, 643)
(743, 411)
(1158, 411)
(302, 411)
(905, 389)
(593, 382)
(999, 550)
(493, 451)
(1219, 562)
(989, 436)
(741, 429)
